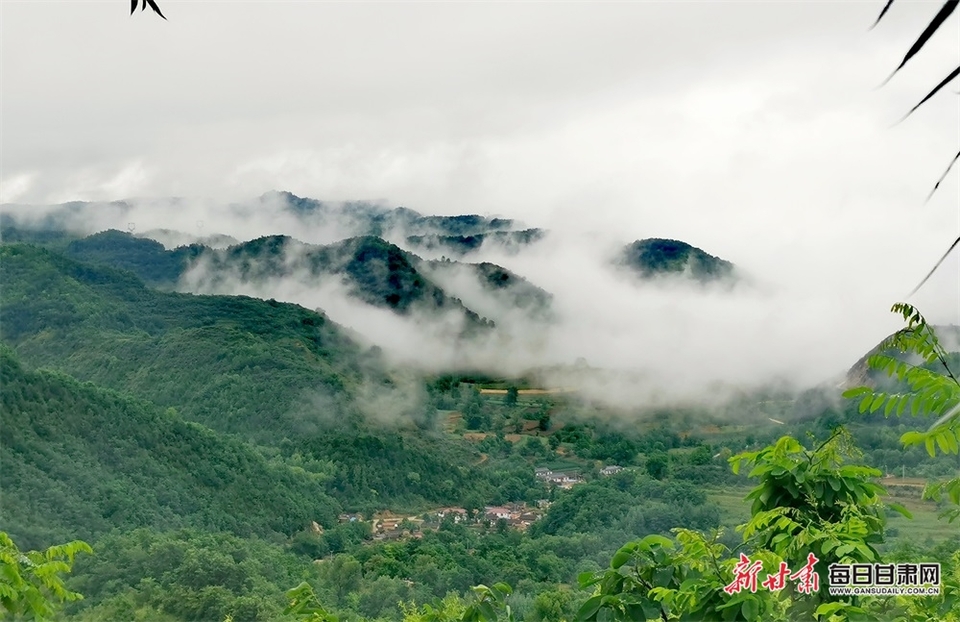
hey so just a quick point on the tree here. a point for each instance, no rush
(304, 606)
(810, 508)
(929, 392)
(657, 463)
(343, 572)
(31, 583)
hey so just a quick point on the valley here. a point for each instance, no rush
(218, 443)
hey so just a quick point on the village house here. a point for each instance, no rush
(563, 480)
(493, 513)
(613, 469)
(457, 514)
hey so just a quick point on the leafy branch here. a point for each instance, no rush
(929, 393)
(31, 583)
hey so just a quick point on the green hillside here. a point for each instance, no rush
(236, 364)
(207, 445)
(273, 373)
(80, 461)
(374, 271)
(146, 258)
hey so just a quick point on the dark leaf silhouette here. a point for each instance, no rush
(143, 5)
(931, 28)
(929, 274)
(953, 74)
(945, 11)
(944, 176)
(886, 8)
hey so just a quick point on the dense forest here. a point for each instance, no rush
(218, 451)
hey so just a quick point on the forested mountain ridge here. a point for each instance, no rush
(494, 286)
(511, 241)
(374, 271)
(350, 218)
(278, 374)
(361, 218)
(287, 401)
(659, 257)
(234, 363)
(80, 461)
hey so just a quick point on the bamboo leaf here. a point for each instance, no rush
(886, 8)
(928, 32)
(950, 76)
(926, 278)
(156, 9)
(949, 166)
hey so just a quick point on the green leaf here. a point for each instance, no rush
(651, 610)
(619, 559)
(896, 507)
(913, 438)
(750, 609)
(844, 550)
(589, 609)
(856, 392)
(828, 609)
(877, 402)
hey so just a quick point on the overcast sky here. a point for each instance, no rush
(755, 130)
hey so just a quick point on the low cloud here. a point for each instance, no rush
(795, 321)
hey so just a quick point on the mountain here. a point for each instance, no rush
(147, 258)
(359, 218)
(489, 288)
(511, 241)
(860, 373)
(373, 270)
(80, 461)
(348, 218)
(272, 373)
(659, 257)
(174, 239)
(234, 363)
